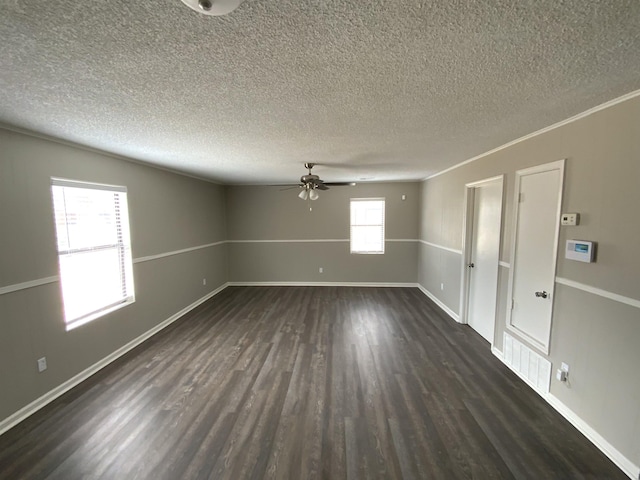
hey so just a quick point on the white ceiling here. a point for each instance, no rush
(377, 89)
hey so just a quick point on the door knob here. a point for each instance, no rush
(542, 294)
(471, 265)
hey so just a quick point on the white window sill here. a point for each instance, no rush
(94, 316)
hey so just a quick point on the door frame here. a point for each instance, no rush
(467, 241)
(545, 167)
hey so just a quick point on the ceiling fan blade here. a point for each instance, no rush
(339, 184)
(321, 186)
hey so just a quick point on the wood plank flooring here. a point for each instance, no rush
(304, 382)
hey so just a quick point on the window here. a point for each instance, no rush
(94, 250)
(367, 225)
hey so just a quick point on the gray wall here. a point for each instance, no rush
(259, 215)
(168, 212)
(596, 336)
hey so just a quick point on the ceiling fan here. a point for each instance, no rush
(311, 183)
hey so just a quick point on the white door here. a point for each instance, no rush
(532, 280)
(483, 260)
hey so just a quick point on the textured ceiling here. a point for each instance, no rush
(377, 89)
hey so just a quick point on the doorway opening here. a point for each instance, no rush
(481, 255)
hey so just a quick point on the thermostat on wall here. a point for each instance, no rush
(580, 250)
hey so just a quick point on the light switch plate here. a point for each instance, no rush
(570, 219)
(42, 364)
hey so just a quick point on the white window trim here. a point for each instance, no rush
(384, 227)
(100, 313)
(106, 309)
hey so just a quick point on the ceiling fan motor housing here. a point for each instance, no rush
(309, 178)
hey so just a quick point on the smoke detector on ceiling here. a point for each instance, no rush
(213, 7)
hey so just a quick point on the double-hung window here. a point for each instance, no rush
(94, 249)
(367, 225)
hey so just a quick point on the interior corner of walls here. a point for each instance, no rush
(227, 262)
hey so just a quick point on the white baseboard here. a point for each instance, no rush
(497, 353)
(321, 284)
(626, 465)
(438, 302)
(623, 463)
(51, 395)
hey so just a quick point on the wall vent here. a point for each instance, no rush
(529, 365)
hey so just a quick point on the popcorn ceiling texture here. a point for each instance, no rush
(386, 90)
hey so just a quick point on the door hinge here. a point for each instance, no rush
(513, 303)
(520, 197)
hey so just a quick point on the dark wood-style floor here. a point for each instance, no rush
(304, 382)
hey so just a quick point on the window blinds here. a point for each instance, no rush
(94, 249)
(367, 225)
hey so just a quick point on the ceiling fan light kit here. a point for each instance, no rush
(308, 193)
(213, 7)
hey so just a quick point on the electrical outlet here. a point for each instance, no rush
(42, 364)
(204, 281)
(321, 270)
